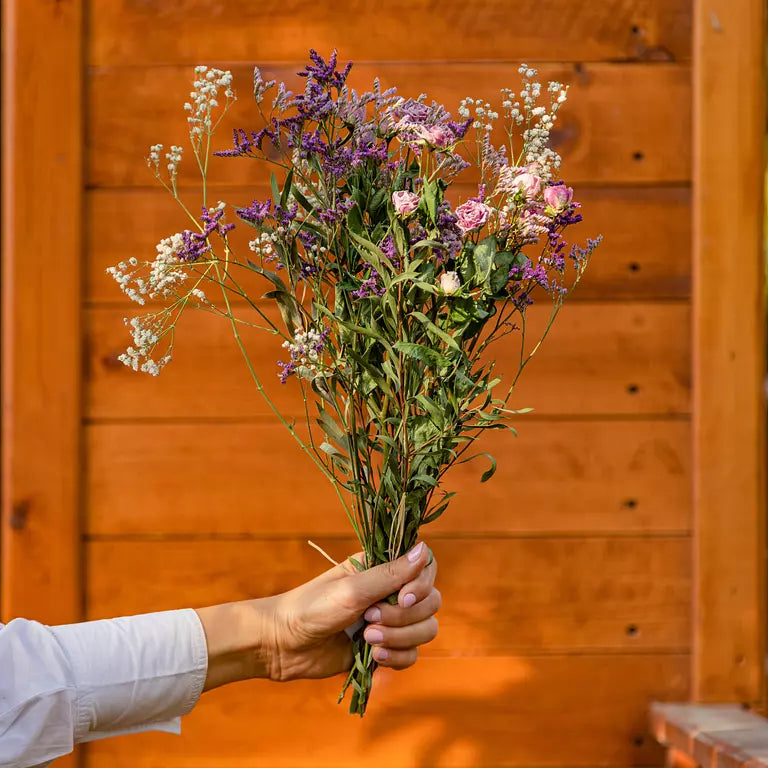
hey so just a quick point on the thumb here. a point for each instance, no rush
(376, 583)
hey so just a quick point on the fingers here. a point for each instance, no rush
(396, 659)
(397, 616)
(367, 587)
(415, 591)
(397, 647)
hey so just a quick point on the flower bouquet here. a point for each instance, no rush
(391, 298)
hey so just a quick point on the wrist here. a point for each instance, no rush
(240, 641)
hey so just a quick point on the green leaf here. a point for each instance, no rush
(483, 256)
(489, 473)
(286, 188)
(374, 255)
(429, 196)
(273, 277)
(288, 309)
(433, 514)
(275, 188)
(332, 429)
(439, 332)
(426, 355)
(336, 456)
(437, 416)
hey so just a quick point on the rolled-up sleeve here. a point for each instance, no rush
(78, 682)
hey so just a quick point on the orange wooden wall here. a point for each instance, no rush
(567, 579)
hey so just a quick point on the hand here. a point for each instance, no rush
(310, 641)
(300, 634)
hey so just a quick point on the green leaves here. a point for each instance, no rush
(289, 309)
(426, 355)
(483, 256)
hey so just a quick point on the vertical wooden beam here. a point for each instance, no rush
(729, 350)
(41, 290)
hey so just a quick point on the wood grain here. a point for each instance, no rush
(598, 359)
(228, 479)
(651, 261)
(501, 596)
(543, 711)
(729, 353)
(196, 31)
(41, 368)
(604, 135)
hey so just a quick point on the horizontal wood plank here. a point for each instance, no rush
(543, 711)
(634, 262)
(603, 134)
(598, 359)
(199, 32)
(224, 479)
(501, 596)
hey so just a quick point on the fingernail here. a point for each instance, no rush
(409, 600)
(415, 553)
(373, 614)
(373, 636)
(380, 654)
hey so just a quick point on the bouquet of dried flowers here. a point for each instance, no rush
(391, 298)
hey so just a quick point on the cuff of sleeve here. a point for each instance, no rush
(135, 672)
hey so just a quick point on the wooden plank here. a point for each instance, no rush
(557, 477)
(729, 352)
(518, 711)
(633, 262)
(604, 135)
(191, 33)
(41, 367)
(598, 359)
(501, 596)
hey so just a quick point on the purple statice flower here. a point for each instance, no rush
(370, 286)
(196, 244)
(388, 248)
(579, 255)
(285, 216)
(246, 144)
(330, 216)
(450, 234)
(325, 73)
(256, 212)
(287, 370)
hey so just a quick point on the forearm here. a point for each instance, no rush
(240, 640)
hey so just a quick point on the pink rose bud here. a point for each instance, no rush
(449, 282)
(405, 202)
(436, 135)
(558, 197)
(472, 215)
(528, 183)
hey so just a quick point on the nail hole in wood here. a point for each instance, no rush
(630, 503)
(632, 630)
(638, 155)
(635, 29)
(633, 389)
(634, 266)
(638, 741)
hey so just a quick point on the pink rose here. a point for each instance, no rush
(437, 135)
(472, 215)
(528, 183)
(558, 197)
(449, 282)
(405, 202)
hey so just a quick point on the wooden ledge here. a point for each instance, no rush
(711, 735)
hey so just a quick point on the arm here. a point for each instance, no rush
(62, 685)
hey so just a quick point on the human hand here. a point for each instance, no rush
(310, 641)
(300, 633)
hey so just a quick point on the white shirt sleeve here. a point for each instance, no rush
(78, 682)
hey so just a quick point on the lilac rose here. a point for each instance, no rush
(558, 197)
(472, 215)
(436, 135)
(405, 202)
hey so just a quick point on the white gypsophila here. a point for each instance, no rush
(305, 350)
(165, 271)
(263, 244)
(123, 274)
(204, 99)
(145, 335)
(154, 157)
(174, 158)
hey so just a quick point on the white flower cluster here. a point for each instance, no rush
(539, 120)
(174, 158)
(484, 115)
(263, 245)
(164, 276)
(205, 99)
(145, 333)
(305, 350)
